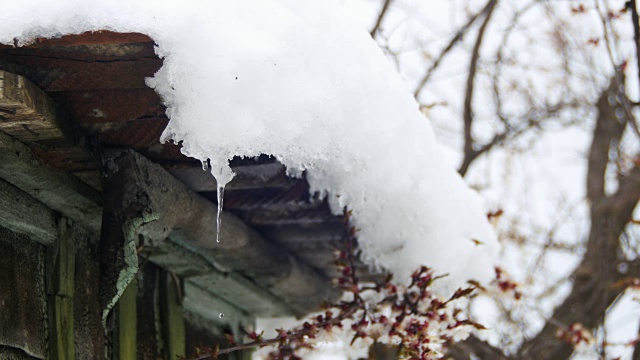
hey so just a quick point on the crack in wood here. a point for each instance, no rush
(88, 61)
(7, 111)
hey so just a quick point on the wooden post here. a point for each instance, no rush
(61, 301)
(123, 212)
(148, 328)
(126, 331)
(172, 315)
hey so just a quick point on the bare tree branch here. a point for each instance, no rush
(616, 64)
(473, 345)
(454, 40)
(592, 293)
(607, 129)
(469, 152)
(500, 56)
(383, 12)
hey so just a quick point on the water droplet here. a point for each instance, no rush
(220, 200)
(221, 315)
(623, 268)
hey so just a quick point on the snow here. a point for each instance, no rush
(538, 180)
(300, 81)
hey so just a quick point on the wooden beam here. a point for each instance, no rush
(164, 208)
(204, 303)
(126, 332)
(27, 113)
(61, 301)
(102, 37)
(58, 190)
(171, 314)
(253, 176)
(72, 75)
(231, 287)
(110, 106)
(21, 213)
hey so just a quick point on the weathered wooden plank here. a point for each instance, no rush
(21, 213)
(23, 299)
(61, 323)
(148, 328)
(305, 214)
(88, 38)
(172, 315)
(110, 105)
(69, 74)
(190, 221)
(205, 303)
(65, 265)
(254, 176)
(232, 287)
(88, 331)
(237, 289)
(61, 329)
(58, 190)
(126, 334)
(26, 112)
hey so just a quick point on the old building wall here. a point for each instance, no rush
(88, 331)
(50, 307)
(23, 299)
(28, 298)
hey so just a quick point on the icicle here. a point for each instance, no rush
(220, 199)
(223, 176)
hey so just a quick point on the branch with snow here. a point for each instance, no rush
(421, 323)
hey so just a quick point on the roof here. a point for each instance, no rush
(97, 84)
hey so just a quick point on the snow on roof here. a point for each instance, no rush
(299, 81)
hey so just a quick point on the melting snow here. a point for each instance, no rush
(299, 81)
